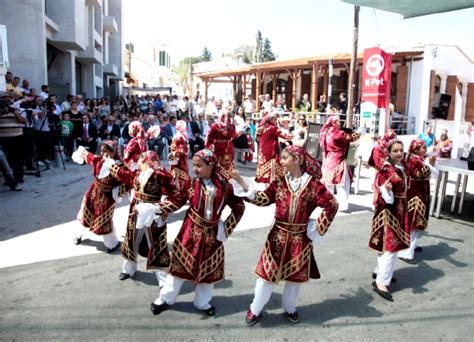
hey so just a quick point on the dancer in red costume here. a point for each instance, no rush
(379, 153)
(219, 140)
(390, 231)
(336, 173)
(198, 250)
(97, 209)
(268, 168)
(149, 183)
(135, 146)
(251, 150)
(179, 156)
(288, 251)
(418, 172)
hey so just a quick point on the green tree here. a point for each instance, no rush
(246, 51)
(267, 53)
(183, 73)
(206, 55)
(258, 48)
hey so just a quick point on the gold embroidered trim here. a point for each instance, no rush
(418, 208)
(261, 199)
(230, 224)
(211, 264)
(183, 256)
(328, 178)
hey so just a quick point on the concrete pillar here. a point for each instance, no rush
(62, 74)
(26, 40)
(88, 79)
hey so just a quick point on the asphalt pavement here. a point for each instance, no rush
(53, 290)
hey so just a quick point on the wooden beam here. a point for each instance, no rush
(314, 86)
(257, 91)
(326, 82)
(244, 87)
(274, 91)
(205, 90)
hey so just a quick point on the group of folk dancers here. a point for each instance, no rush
(291, 179)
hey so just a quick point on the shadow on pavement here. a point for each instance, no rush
(440, 251)
(415, 277)
(355, 304)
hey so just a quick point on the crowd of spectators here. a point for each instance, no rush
(46, 122)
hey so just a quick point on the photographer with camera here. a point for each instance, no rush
(43, 131)
(11, 139)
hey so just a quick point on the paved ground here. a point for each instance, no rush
(53, 290)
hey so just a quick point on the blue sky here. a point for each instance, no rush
(296, 28)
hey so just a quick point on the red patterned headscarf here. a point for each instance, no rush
(388, 136)
(415, 145)
(309, 164)
(151, 159)
(327, 127)
(223, 119)
(208, 156)
(217, 177)
(111, 144)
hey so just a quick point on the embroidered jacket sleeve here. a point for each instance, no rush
(266, 197)
(168, 186)
(211, 136)
(327, 201)
(417, 169)
(175, 200)
(237, 206)
(123, 175)
(92, 159)
(130, 151)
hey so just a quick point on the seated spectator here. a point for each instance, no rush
(444, 145)
(88, 138)
(155, 143)
(170, 129)
(109, 129)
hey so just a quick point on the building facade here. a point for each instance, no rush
(74, 46)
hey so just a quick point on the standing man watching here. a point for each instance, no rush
(11, 135)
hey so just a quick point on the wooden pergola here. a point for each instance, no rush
(318, 67)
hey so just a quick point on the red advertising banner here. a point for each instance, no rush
(377, 77)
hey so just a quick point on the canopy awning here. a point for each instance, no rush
(411, 9)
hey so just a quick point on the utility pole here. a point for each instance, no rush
(353, 69)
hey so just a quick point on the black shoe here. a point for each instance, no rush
(408, 261)
(157, 309)
(111, 250)
(78, 240)
(419, 249)
(374, 276)
(384, 294)
(30, 168)
(209, 312)
(292, 317)
(124, 276)
(16, 188)
(21, 181)
(251, 319)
